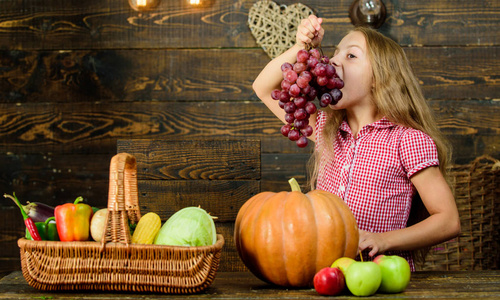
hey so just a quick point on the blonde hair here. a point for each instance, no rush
(397, 95)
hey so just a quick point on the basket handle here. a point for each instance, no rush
(123, 203)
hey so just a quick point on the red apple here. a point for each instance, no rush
(329, 281)
(396, 273)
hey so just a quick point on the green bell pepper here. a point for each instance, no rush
(47, 230)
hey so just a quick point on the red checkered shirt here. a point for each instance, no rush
(371, 172)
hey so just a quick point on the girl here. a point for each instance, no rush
(378, 147)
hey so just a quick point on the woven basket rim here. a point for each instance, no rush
(23, 242)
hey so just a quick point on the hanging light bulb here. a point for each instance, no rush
(201, 3)
(370, 9)
(143, 5)
(368, 13)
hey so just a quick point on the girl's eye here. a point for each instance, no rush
(351, 55)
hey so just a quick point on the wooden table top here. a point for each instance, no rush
(243, 285)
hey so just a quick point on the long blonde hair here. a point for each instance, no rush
(397, 96)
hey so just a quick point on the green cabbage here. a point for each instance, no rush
(190, 226)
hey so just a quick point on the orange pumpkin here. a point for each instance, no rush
(285, 238)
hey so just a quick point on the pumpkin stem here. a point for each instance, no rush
(294, 185)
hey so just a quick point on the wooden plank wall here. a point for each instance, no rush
(76, 76)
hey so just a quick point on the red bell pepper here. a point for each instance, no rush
(73, 221)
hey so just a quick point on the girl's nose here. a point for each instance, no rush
(334, 61)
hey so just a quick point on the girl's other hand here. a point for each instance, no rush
(372, 241)
(310, 32)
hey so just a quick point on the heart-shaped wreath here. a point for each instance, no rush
(275, 26)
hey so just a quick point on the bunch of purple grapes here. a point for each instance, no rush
(311, 77)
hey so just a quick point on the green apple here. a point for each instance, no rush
(363, 278)
(396, 273)
(342, 263)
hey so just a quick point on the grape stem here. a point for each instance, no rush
(310, 46)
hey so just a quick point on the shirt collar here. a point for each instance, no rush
(380, 124)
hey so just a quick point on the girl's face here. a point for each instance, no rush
(353, 66)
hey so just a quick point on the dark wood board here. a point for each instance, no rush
(93, 128)
(208, 159)
(175, 24)
(196, 75)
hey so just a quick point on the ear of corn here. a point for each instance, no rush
(147, 228)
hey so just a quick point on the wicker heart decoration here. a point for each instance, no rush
(275, 26)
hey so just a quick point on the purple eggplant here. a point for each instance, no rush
(38, 212)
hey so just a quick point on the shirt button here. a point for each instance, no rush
(352, 146)
(342, 188)
(346, 167)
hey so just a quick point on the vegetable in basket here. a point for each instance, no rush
(47, 230)
(190, 226)
(38, 212)
(30, 225)
(73, 220)
(147, 228)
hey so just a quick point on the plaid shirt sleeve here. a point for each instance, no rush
(418, 151)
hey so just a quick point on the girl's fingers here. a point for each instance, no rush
(309, 29)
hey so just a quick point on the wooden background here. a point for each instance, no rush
(77, 76)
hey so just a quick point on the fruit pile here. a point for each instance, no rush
(385, 274)
(311, 77)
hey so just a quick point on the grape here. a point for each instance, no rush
(275, 94)
(293, 135)
(339, 83)
(290, 76)
(284, 97)
(315, 53)
(331, 83)
(310, 108)
(285, 129)
(330, 71)
(289, 107)
(300, 101)
(306, 90)
(311, 77)
(286, 66)
(313, 94)
(302, 142)
(299, 67)
(307, 131)
(320, 69)
(322, 80)
(300, 114)
(289, 118)
(294, 90)
(302, 82)
(302, 56)
(326, 99)
(306, 75)
(285, 85)
(299, 124)
(312, 62)
(336, 95)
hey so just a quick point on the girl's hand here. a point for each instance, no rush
(310, 32)
(373, 241)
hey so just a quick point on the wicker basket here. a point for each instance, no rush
(115, 264)
(477, 192)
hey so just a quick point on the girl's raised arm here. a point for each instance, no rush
(309, 32)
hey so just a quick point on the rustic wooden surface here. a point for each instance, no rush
(243, 285)
(78, 77)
